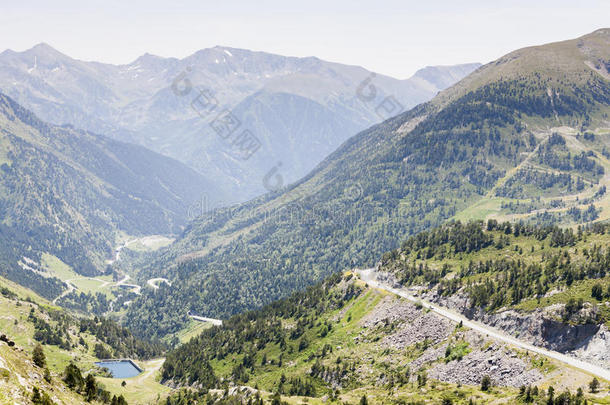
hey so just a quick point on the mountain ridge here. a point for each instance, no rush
(134, 102)
(68, 192)
(411, 172)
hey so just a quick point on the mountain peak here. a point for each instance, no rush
(44, 49)
(148, 58)
(45, 53)
(442, 76)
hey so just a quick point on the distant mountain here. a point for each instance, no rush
(524, 138)
(68, 192)
(297, 110)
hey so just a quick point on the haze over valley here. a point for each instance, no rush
(236, 226)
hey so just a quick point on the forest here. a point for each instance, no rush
(492, 281)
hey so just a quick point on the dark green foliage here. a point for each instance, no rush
(40, 397)
(594, 385)
(119, 339)
(572, 307)
(513, 188)
(485, 383)
(89, 304)
(120, 400)
(38, 356)
(88, 387)
(251, 332)
(554, 154)
(532, 395)
(101, 352)
(597, 291)
(191, 397)
(73, 377)
(502, 281)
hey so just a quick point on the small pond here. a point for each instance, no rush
(121, 368)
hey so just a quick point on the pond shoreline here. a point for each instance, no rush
(105, 362)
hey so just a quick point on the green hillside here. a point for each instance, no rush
(68, 193)
(68, 343)
(341, 340)
(524, 137)
(500, 266)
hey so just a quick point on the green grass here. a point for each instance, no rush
(64, 272)
(456, 351)
(149, 243)
(192, 329)
(58, 268)
(481, 209)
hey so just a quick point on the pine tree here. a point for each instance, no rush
(38, 356)
(485, 383)
(594, 385)
(90, 387)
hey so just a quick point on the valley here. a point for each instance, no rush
(238, 227)
(497, 145)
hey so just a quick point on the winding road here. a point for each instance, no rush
(369, 277)
(153, 282)
(136, 288)
(68, 291)
(217, 322)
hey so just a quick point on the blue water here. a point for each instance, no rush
(120, 369)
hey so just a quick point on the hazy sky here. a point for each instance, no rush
(391, 37)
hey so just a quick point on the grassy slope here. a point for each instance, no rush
(374, 360)
(143, 389)
(14, 322)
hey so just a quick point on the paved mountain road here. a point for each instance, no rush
(368, 276)
(153, 282)
(68, 291)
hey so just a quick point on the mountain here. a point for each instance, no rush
(68, 192)
(522, 137)
(294, 110)
(341, 340)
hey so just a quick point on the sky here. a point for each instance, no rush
(390, 37)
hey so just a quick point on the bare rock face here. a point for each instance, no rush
(389, 310)
(542, 330)
(405, 325)
(413, 324)
(428, 326)
(543, 327)
(502, 365)
(595, 349)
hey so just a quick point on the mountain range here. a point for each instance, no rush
(456, 252)
(284, 111)
(524, 137)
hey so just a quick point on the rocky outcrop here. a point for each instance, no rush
(542, 327)
(502, 365)
(405, 325)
